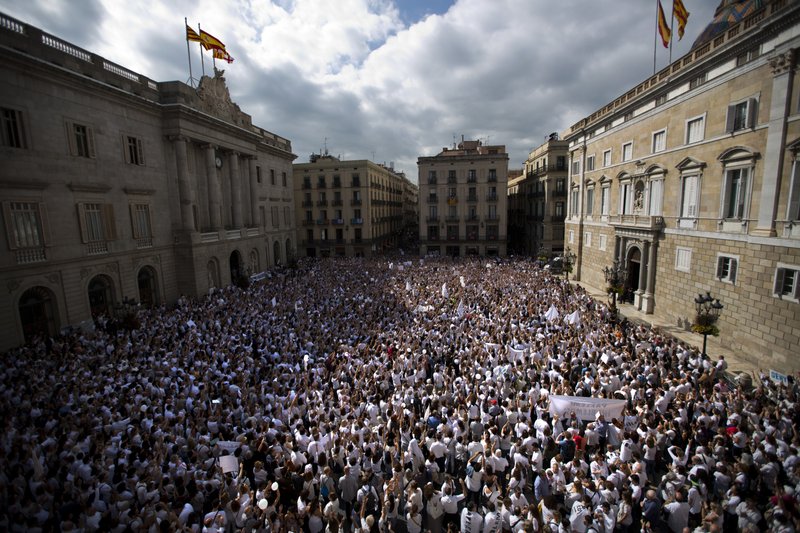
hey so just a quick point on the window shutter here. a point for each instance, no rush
(720, 262)
(90, 141)
(140, 151)
(82, 222)
(12, 242)
(794, 199)
(134, 222)
(108, 222)
(44, 224)
(779, 280)
(732, 270)
(73, 150)
(752, 112)
(125, 152)
(729, 120)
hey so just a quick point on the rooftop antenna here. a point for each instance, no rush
(454, 141)
(326, 146)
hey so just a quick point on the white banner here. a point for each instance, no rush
(586, 408)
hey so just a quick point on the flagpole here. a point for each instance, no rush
(655, 40)
(188, 54)
(202, 59)
(671, 31)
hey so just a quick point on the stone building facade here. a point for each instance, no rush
(690, 181)
(351, 208)
(117, 188)
(463, 200)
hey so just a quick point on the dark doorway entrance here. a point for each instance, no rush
(37, 313)
(633, 267)
(236, 266)
(148, 289)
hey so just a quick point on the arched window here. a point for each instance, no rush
(37, 313)
(101, 296)
(148, 286)
(213, 273)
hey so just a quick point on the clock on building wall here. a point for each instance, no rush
(218, 161)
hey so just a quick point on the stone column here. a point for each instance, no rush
(648, 303)
(185, 190)
(236, 189)
(254, 192)
(642, 276)
(780, 105)
(214, 192)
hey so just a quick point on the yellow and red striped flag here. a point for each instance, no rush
(210, 42)
(191, 35)
(681, 15)
(223, 55)
(663, 27)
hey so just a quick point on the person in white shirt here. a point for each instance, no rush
(678, 513)
(450, 503)
(471, 521)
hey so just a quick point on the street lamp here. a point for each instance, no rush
(615, 278)
(705, 322)
(567, 260)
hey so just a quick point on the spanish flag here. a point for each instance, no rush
(191, 35)
(681, 15)
(663, 27)
(223, 55)
(210, 42)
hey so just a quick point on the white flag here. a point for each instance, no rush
(408, 286)
(274, 302)
(460, 310)
(445, 292)
(461, 279)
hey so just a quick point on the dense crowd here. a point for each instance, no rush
(368, 395)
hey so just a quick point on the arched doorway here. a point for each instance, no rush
(148, 286)
(276, 252)
(237, 268)
(213, 273)
(101, 296)
(633, 265)
(37, 313)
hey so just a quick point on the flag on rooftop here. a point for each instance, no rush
(663, 27)
(210, 42)
(192, 35)
(681, 15)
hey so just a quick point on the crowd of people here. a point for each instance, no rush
(372, 396)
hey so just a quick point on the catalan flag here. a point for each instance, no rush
(223, 55)
(681, 15)
(210, 42)
(192, 35)
(663, 27)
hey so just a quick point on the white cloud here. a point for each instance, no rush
(510, 71)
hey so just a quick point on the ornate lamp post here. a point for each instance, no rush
(567, 260)
(705, 322)
(615, 278)
(541, 254)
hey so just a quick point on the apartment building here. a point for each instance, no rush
(690, 181)
(463, 200)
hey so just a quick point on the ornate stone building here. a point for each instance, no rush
(350, 208)
(463, 200)
(117, 188)
(690, 181)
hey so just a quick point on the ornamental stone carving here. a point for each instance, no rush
(782, 63)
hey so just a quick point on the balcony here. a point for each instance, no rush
(433, 199)
(337, 221)
(433, 218)
(336, 203)
(144, 242)
(320, 185)
(452, 236)
(322, 203)
(492, 216)
(308, 203)
(355, 202)
(356, 221)
(337, 184)
(491, 197)
(645, 222)
(308, 222)
(471, 179)
(355, 183)
(562, 193)
(472, 198)
(472, 218)
(322, 222)
(431, 181)
(97, 248)
(451, 179)
(452, 218)
(30, 255)
(492, 177)
(306, 185)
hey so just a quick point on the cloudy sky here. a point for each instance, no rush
(389, 80)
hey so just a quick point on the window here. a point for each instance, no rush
(431, 176)
(659, 141)
(492, 211)
(357, 180)
(309, 216)
(12, 129)
(587, 239)
(271, 175)
(726, 268)
(433, 212)
(451, 176)
(786, 282)
(793, 209)
(81, 140)
(576, 168)
(589, 200)
(25, 230)
(134, 155)
(141, 224)
(274, 214)
(626, 198)
(741, 115)
(572, 236)
(607, 158)
(695, 129)
(561, 162)
(735, 193)
(573, 207)
(605, 196)
(656, 197)
(683, 259)
(689, 196)
(286, 216)
(96, 222)
(492, 174)
(698, 80)
(590, 163)
(471, 175)
(283, 179)
(603, 242)
(559, 211)
(627, 151)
